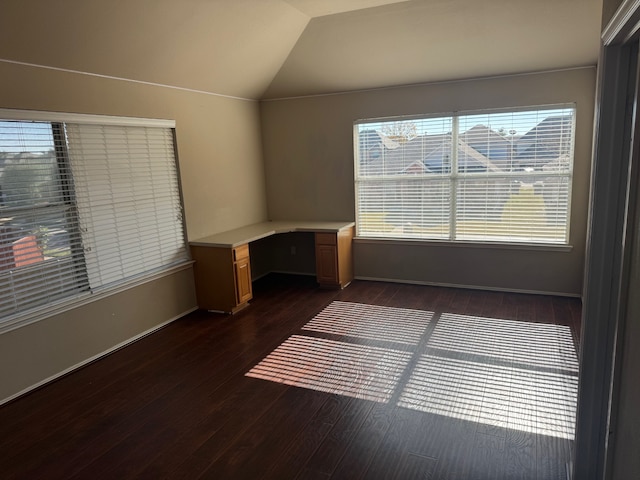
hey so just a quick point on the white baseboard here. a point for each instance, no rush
(471, 287)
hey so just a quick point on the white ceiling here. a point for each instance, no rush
(279, 48)
(426, 41)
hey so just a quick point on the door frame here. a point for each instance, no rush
(606, 273)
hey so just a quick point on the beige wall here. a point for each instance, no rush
(222, 178)
(218, 137)
(42, 350)
(308, 151)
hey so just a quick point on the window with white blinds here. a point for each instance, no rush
(41, 258)
(501, 176)
(84, 206)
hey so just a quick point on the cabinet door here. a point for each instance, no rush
(327, 264)
(215, 278)
(243, 281)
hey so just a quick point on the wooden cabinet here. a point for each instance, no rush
(327, 264)
(242, 270)
(222, 266)
(222, 277)
(334, 258)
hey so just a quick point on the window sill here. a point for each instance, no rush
(40, 313)
(544, 247)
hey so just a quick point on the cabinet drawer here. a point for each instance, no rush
(325, 238)
(241, 252)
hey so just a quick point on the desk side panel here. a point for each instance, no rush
(214, 278)
(345, 255)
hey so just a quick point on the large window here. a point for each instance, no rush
(500, 176)
(86, 203)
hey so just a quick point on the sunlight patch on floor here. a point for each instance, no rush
(532, 401)
(369, 373)
(391, 324)
(501, 373)
(528, 343)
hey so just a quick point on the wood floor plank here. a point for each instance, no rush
(133, 391)
(416, 467)
(527, 307)
(544, 310)
(195, 448)
(197, 426)
(293, 459)
(328, 455)
(396, 447)
(492, 306)
(189, 419)
(509, 307)
(548, 450)
(475, 302)
(460, 304)
(135, 409)
(249, 455)
(361, 451)
(100, 376)
(177, 403)
(520, 454)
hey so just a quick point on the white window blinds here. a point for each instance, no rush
(84, 207)
(491, 177)
(128, 200)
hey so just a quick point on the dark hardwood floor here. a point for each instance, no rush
(482, 386)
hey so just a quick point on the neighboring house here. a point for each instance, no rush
(547, 141)
(373, 144)
(469, 159)
(490, 144)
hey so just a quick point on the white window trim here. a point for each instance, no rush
(453, 177)
(63, 117)
(541, 247)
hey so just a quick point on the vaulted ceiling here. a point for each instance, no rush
(259, 49)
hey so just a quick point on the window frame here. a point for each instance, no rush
(58, 120)
(44, 278)
(454, 177)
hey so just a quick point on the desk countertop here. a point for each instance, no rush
(250, 233)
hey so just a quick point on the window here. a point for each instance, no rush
(86, 203)
(501, 176)
(40, 246)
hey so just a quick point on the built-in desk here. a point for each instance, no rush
(223, 270)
